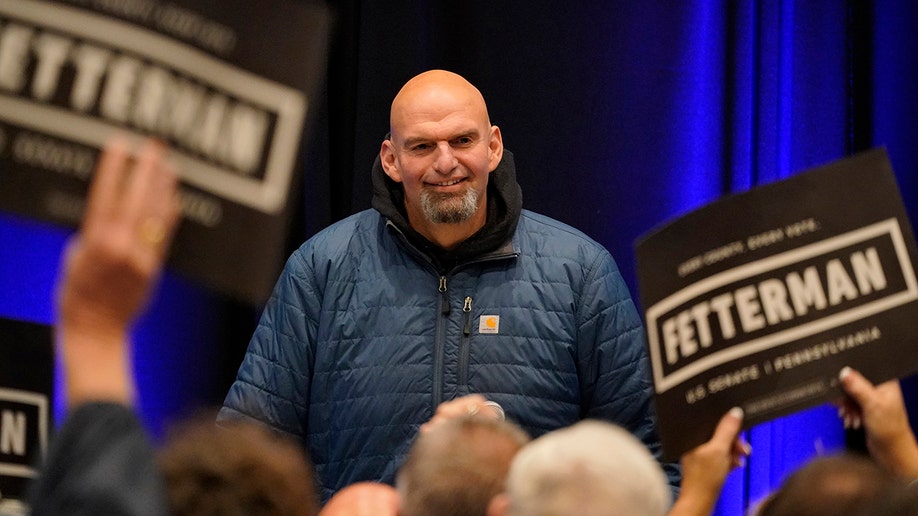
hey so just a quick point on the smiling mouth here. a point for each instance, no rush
(449, 183)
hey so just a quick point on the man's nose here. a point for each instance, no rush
(446, 160)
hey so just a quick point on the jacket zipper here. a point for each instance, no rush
(440, 344)
(465, 346)
(444, 309)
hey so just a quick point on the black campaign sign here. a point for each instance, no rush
(227, 84)
(26, 389)
(759, 299)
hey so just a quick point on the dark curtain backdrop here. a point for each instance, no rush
(621, 115)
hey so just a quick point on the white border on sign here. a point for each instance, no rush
(889, 227)
(268, 195)
(41, 402)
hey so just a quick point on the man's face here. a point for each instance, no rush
(442, 149)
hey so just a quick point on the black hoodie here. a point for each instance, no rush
(505, 201)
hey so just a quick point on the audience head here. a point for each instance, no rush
(458, 466)
(831, 485)
(363, 499)
(904, 502)
(592, 468)
(235, 468)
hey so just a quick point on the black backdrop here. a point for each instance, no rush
(621, 114)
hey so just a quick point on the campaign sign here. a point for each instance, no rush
(26, 390)
(227, 84)
(759, 299)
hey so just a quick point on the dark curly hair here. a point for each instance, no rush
(236, 468)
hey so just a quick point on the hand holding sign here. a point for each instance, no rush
(881, 409)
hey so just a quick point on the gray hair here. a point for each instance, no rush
(592, 468)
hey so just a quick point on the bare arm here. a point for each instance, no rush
(110, 268)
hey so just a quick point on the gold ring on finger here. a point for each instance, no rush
(152, 231)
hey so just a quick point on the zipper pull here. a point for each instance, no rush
(467, 308)
(445, 300)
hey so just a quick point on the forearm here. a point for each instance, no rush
(97, 365)
(693, 503)
(899, 457)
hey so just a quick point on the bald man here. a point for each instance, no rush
(363, 499)
(446, 298)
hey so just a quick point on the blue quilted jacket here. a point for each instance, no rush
(363, 337)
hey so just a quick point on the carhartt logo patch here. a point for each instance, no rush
(489, 324)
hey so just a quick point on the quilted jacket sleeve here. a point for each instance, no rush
(617, 382)
(272, 385)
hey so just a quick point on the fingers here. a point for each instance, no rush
(726, 436)
(855, 385)
(851, 416)
(468, 405)
(152, 195)
(136, 198)
(148, 207)
(740, 452)
(725, 444)
(860, 391)
(103, 192)
(729, 426)
(135, 201)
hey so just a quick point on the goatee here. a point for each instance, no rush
(449, 208)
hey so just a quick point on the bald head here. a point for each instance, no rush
(364, 498)
(436, 93)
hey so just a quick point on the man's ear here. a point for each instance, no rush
(495, 147)
(499, 505)
(388, 160)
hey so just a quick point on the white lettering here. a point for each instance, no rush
(765, 239)
(838, 282)
(773, 294)
(120, 83)
(671, 341)
(749, 309)
(770, 302)
(868, 271)
(721, 304)
(52, 51)
(130, 91)
(12, 432)
(806, 291)
(740, 376)
(14, 56)
(91, 63)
